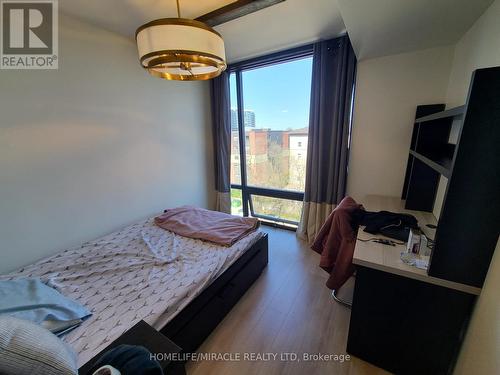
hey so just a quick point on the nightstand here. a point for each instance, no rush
(144, 335)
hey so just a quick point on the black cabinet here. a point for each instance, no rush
(407, 326)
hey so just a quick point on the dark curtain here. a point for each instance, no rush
(333, 77)
(221, 130)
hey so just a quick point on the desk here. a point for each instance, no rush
(387, 258)
(402, 319)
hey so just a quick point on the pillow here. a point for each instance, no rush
(26, 348)
(30, 299)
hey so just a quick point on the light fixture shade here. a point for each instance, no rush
(180, 49)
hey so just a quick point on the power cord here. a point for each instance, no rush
(382, 241)
(430, 243)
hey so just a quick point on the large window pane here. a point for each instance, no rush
(236, 202)
(276, 100)
(235, 145)
(276, 208)
(273, 135)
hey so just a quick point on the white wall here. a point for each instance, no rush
(479, 48)
(387, 93)
(95, 145)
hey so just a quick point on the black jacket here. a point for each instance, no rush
(390, 224)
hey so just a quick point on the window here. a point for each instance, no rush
(275, 209)
(235, 172)
(272, 103)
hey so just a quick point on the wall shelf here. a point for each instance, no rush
(430, 156)
(441, 163)
(452, 112)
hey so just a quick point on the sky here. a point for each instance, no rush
(278, 94)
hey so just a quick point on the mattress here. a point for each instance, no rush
(139, 273)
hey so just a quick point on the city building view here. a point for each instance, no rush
(275, 159)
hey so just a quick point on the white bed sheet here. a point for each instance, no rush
(140, 272)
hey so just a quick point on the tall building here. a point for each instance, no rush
(234, 119)
(249, 119)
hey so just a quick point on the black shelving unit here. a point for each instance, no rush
(431, 154)
(468, 227)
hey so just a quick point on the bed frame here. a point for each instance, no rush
(199, 318)
(196, 321)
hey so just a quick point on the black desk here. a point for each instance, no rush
(407, 326)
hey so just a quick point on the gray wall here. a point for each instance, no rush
(95, 145)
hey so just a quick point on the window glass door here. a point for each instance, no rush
(269, 174)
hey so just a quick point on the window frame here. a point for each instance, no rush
(246, 190)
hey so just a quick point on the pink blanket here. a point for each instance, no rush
(198, 223)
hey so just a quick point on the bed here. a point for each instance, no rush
(182, 287)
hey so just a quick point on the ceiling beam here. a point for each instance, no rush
(235, 10)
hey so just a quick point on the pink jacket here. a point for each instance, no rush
(335, 243)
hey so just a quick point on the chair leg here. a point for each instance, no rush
(341, 301)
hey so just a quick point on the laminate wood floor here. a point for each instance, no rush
(287, 310)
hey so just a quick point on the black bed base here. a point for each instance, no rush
(198, 319)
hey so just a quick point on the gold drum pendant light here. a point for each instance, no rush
(180, 49)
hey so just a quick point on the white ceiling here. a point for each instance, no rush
(386, 27)
(125, 16)
(376, 27)
(287, 24)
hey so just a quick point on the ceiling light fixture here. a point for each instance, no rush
(180, 49)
